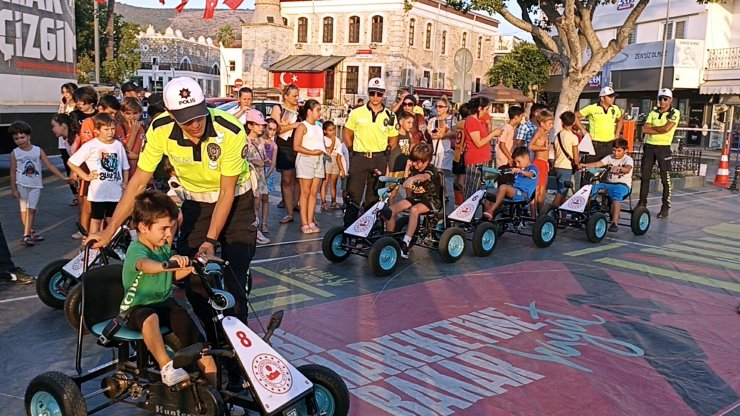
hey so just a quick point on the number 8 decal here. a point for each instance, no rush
(243, 338)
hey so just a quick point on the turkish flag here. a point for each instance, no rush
(101, 2)
(210, 7)
(233, 4)
(181, 5)
(300, 79)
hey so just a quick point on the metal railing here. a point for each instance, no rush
(166, 66)
(725, 58)
(683, 161)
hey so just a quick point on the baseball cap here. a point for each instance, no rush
(606, 91)
(376, 84)
(130, 86)
(256, 117)
(665, 92)
(184, 99)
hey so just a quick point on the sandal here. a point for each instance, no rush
(313, 228)
(306, 229)
(334, 206)
(73, 203)
(324, 207)
(286, 219)
(264, 229)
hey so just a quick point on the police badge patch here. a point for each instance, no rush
(214, 152)
(245, 149)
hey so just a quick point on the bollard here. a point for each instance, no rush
(736, 179)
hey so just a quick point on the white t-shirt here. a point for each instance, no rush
(345, 156)
(242, 118)
(507, 139)
(333, 151)
(625, 178)
(443, 155)
(314, 137)
(28, 167)
(110, 161)
(568, 139)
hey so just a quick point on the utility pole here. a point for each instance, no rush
(97, 40)
(665, 42)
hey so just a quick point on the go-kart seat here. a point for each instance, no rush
(102, 292)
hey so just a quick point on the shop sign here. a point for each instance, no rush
(313, 92)
(625, 4)
(595, 82)
(364, 54)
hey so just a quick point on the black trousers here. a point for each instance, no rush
(602, 150)
(360, 180)
(238, 242)
(6, 261)
(650, 155)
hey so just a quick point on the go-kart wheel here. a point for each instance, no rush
(596, 227)
(499, 220)
(452, 244)
(484, 239)
(331, 245)
(640, 222)
(73, 307)
(52, 285)
(383, 256)
(54, 393)
(332, 396)
(544, 231)
(550, 210)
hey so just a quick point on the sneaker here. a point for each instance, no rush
(28, 241)
(663, 212)
(404, 249)
(172, 376)
(613, 228)
(36, 237)
(261, 239)
(78, 236)
(17, 276)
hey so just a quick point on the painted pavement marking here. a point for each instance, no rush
(268, 290)
(731, 231)
(712, 246)
(280, 302)
(672, 274)
(293, 282)
(685, 256)
(721, 241)
(602, 247)
(711, 253)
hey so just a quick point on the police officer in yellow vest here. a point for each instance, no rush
(604, 123)
(660, 124)
(367, 133)
(207, 149)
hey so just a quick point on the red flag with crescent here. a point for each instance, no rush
(233, 4)
(210, 7)
(181, 5)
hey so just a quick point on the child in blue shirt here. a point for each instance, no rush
(525, 183)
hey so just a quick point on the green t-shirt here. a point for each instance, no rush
(141, 288)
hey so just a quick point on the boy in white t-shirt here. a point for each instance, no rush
(25, 177)
(109, 168)
(505, 142)
(566, 156)
(619, 181)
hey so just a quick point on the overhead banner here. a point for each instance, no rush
(686, 53)
(37, 38)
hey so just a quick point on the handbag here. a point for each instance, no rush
(573, 166)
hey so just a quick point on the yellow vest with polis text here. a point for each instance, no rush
(657, 119)
(199, 167)
(601, 122)
(371, 131)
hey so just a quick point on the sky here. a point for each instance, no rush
(504, 27)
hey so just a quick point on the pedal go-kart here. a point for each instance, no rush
(58, 278)
(272, 385)
(511, 216)
(592, 212)
(367, 236)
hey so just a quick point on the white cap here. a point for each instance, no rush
(665, 92)
(184, 99)
(606, 91)
(376, 84)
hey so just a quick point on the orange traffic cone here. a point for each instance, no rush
(723, 172)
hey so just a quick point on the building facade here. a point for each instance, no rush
(331, 48)
(169, 55)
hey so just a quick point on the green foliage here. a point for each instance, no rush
(126, 58)
(408, 5)
(226, 36)
(523, 68)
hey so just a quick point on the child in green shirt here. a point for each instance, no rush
(148, 303)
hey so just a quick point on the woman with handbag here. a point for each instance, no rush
(566, 156)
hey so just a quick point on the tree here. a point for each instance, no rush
(524, 68)
(575, 44)
(110, 17)
(127, 59)
(226, 36)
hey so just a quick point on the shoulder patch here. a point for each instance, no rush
(223, 122)
(162, 121)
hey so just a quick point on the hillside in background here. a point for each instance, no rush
(190, 21)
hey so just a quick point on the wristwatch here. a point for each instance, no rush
(212, 241)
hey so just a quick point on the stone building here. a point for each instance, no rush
(168, 55)
(331, 48)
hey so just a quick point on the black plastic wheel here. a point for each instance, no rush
(384, 256)
(73, 307)
(544, 231)
(485, 238)
(331, 245)
(52, 284)
(452, 244)
(640, 222)
(499, 220)
(54, 393)
(596, 227)
(332, 395)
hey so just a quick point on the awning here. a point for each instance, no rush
(305, 63)
(729, 87)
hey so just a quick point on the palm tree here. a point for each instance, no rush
(226, 36)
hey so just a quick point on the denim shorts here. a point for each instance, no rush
(563, 175)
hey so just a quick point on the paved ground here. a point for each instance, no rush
(633, 325)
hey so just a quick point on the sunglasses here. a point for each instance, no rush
(408, 104)
(663, 98)
(375, 93)
(441, 106)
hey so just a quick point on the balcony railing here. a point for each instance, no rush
(725, 58)
(166, 66)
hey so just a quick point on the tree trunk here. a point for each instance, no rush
(109, 29)
(572, 88)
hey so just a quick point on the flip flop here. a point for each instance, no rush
(286, 219)
(306, 229)
(313, 228)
